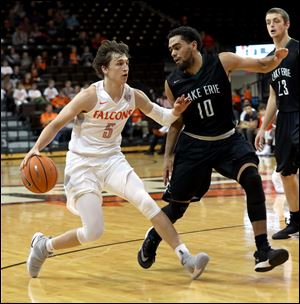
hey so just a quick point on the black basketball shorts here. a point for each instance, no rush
(195, 159)
(287, 143)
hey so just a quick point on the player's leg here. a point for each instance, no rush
(135, 193)
(90, 210)
(241, 165)
(189, 182)
(266, 258)
(291, 190)
(287, 158)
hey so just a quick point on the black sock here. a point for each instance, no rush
(295, 217)
(261, 242)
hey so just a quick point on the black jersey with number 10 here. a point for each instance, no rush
(210, 113)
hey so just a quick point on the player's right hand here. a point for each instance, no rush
(259, 140)
(32, 152)
(168, 168)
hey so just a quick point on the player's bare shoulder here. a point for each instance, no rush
(141, 100)
(86, 99)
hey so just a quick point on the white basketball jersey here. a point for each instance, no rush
(98, 132)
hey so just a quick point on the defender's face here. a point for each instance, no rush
(118, 68)
(181, 51)
(276, 25)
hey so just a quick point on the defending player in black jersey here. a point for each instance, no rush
(284, 97)
(206, 139)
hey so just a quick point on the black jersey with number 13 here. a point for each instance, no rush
(285, 79)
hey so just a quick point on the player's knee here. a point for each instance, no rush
(145, 204)
(251, 182)
(90, 233)
(175, 211)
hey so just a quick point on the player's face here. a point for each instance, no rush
(181, 51)
(118, 68)
(276, 25)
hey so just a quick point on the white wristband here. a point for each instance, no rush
(162, 115)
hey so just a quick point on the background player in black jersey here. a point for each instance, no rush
(284, 96)
(206, 139)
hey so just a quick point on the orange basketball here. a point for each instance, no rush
(40, 174)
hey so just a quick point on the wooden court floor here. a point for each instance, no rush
(106, 271)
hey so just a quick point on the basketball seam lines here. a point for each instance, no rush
(44, 173)
(29, 169)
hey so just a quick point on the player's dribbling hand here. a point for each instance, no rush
(32, 152)
(180, 105)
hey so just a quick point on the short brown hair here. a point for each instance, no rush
(105, 52)
(280, 11)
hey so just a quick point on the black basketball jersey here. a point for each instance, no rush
(285, 79)
(210, 112)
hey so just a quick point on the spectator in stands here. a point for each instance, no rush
(39, 64)
(74, 57)
(6, 68)
(58, 59)
(77, 89)
(68, 90)
(27, 81)
(52, 31)
(35, 95)
(138, 123)
(60, 23)
(35, 74)
(208, 42)
(45, 59)
(3, 98)
(248, 122)
(37, 36)
(19, 37)
(8, 86)
(237, 100)
(72, 22)
(163, 101)
(184, 20)
(86, 57)
(83, 39)
(26, 61)
(7, 30)
(97, 40)
(60, 101)
(247, 94)
(50, 92)
(20, 96)
(158, 134)
(47, 117)
(16, 76)
(13, 57)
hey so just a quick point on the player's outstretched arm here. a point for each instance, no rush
(161, 115)
(231, 62)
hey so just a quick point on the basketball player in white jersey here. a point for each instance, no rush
(95, 162)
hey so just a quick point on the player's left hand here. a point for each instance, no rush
(180, 105)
